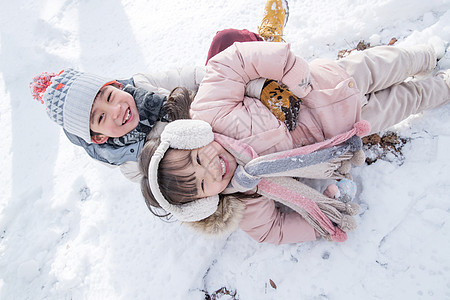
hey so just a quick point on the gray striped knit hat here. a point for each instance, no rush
(68, 97)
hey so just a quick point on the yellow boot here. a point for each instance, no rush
(275, 18)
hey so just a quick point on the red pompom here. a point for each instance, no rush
(362, 128)
(40, 84)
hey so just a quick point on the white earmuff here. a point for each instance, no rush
(188, 135)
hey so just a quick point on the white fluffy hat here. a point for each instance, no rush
(183, 134)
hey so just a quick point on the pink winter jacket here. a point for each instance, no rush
(331, 105)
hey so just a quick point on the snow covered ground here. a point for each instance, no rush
(71, 228)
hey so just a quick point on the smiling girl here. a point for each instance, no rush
(370, 85)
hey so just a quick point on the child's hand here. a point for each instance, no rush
(281, 102)
(344, 190)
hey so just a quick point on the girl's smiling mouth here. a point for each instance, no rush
(224, 165)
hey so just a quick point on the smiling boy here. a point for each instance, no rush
(108, 118)
(114, 114)
(111, 118)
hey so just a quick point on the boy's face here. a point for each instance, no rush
(113, 114)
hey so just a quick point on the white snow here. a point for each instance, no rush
(71, 228)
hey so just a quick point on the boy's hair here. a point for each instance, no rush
(69, 96)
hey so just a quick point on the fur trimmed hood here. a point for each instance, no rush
(224, 220)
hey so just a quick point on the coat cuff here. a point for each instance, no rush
(254, 88)
(298, 78)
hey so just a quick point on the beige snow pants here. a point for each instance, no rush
(380, 75)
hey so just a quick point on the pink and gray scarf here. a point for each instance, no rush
(273, 176)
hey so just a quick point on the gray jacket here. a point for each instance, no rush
(107, 153)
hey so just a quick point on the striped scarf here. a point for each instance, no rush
(273, 176)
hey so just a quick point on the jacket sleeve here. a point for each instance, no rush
(189, 77)
(163, 82)
(223, 87)
(265, 223)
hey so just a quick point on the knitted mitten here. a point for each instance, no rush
(344, 190)
(281, 102)
(347, 189)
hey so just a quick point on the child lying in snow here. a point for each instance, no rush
(368, 85)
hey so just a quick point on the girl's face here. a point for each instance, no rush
(212, 166)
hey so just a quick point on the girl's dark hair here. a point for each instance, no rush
(178, 103)
(176, 189)
(144, 161)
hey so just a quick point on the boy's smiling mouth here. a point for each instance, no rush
(127, 116)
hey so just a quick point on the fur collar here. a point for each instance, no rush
(224, 220)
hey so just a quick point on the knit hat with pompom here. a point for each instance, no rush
(69, 96)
